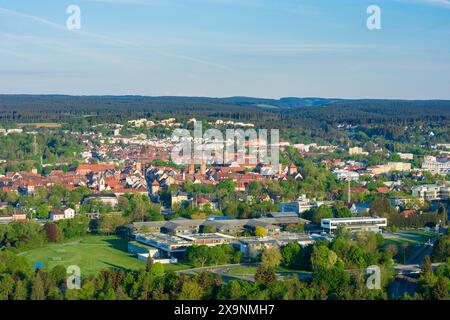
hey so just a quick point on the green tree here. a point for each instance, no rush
(440, 291)
(265, 275)
(427, 268)
(291, 254)
(149, 264)
(260, 231)
(381, 207)
(157, 269)
(271, 257)
(391, 250)
(199, 255)
(20, 291)
(58, 275)
(37, 290)
(323, 258)
(42, 211)
(190, 290)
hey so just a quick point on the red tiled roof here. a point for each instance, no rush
(94, 167)
(383, 190)
(407, 213)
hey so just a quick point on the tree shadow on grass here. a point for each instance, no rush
(121, 245)
(118, 244)
(116, 267)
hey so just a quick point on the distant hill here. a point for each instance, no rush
(35, 108)
(289, 102)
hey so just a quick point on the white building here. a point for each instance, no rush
(301, 205)
(431, 192)
(436, 165)
(346, 175)
(406, 156)
(252, 247)
(66, 213)
(357, 150)
(356, 224)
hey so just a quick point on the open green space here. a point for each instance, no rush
(415, 240)
(253, 269)
(92, 254)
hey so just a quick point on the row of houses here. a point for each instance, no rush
(56, 215)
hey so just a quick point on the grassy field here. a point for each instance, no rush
(252, 270)
(415, 240)
(92, 254)
(410, 237)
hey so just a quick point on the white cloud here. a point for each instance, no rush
(438, 3)
(110, 39)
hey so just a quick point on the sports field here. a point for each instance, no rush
(91, 254)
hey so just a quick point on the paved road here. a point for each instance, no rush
(412, 268)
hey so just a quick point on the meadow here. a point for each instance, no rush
(91, 254)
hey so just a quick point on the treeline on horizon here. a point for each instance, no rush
(314, 117)
(58, 107)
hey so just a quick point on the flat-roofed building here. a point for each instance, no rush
(405, 156)
(252, 247)
(301, 205)
(357, 150)
(283, 214)
(228, 226)
(185, 226)
(356, 224)
(174, 245)
(233, 226)
(431, 192)
(167, 244)
(208, 239)
(436, 164)
(252, 224)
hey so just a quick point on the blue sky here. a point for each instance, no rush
(263, 48)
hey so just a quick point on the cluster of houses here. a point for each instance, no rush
(352, 170)
(98, 177)
(117, 165)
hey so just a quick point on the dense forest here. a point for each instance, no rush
(30, 108)
(334, 121)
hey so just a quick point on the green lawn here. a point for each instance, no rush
(177, 266)
(92, 254)
(243, 270)
(252, 270)
(416, 241)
